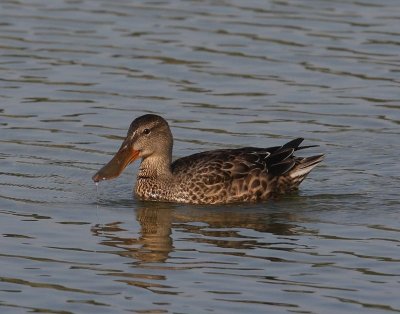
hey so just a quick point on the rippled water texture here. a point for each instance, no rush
(74, 74)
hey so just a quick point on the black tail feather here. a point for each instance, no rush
(294, 143)
(282, 167)
(308, 146)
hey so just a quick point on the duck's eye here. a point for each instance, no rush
(146, 131)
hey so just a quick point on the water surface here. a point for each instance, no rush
(74, 74)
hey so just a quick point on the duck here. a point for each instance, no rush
(222, 176)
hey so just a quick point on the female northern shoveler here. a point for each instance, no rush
(220, 176)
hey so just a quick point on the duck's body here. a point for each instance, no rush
(212, 177)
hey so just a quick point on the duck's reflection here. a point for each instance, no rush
(225, 228)
(155, 234)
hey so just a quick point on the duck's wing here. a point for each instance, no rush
(228, 164)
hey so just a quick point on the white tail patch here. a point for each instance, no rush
(305, 167)
(301, 172)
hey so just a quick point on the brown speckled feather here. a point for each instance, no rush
(238, 175)
(247, 174)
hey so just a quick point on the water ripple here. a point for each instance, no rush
(224, 74)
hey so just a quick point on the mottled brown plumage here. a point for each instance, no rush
(212, 177)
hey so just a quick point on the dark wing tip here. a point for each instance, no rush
(294, 143)
(281, 167)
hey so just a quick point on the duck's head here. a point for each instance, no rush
(148, 135)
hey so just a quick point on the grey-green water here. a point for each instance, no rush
(73, 74)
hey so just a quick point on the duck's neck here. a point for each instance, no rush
(155, 167)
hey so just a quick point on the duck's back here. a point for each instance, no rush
(237, 175)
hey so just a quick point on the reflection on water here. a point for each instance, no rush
(288, 254)
(155, 230)
(221, 232)
(154, 243)
(74, 74)
(220, 228)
